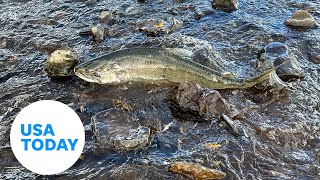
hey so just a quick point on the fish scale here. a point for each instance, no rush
(156, 65)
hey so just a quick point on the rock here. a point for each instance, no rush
(195, 171)
(201, 12)
(50, 45)
(278, 54)
(188, 95)
(6, 42)
(3, 41)
(119, 129)
(97, 32)
(106, 16)
(212, 103)
(315, 59)
(225, 5)
(60, 63)
(136, 138)
(191, 96)
(301, 18)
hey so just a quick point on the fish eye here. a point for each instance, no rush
(97, 74)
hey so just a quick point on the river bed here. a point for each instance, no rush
(282, 132)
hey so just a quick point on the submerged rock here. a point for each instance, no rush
(60, 63)
(225, 5)
(97, 32)
(188, 95)
(315, 59)
(301, 18)
(211, 102)
(195, 171)
(278, 54)
(106, 16)
(201, 9)
(119, 129)
(204, 101)
(50, 45)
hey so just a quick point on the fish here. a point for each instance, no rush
(156, 66)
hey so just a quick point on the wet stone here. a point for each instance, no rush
(315, 58)
(97, 32)
(204, 101)
(6, 42)
(188, 95)
(301, 18)
(118, 129)
(60, 63)
(50, 45)
(106, 16)
(211, 102)
(225, 5)
(195, 171)
(278, 54)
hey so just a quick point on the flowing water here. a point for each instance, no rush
(282, 132)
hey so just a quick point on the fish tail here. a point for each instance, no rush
(250, 82)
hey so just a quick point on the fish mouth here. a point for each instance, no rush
(81, 73)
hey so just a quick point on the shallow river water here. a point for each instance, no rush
(282, 132)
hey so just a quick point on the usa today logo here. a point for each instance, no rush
(47, 137)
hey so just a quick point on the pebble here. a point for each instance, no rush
(97, 32)
(119, 130)
(50, 45)
(106, 16)
(301, 18)
(225, 5)
(278, 54)
(60, 63)
(315, 59)
(6, 42)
